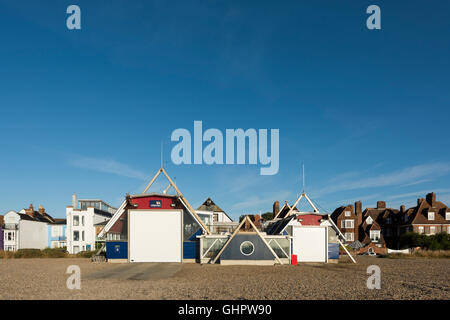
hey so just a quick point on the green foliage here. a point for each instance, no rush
(28, 253)
(54, 253)
(439, 241)
(267, 216)
(86, 254)
(251, 216)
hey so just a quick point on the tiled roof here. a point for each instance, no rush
(209, 205)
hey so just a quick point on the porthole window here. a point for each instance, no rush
(247, 248)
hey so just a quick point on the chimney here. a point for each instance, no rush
(381, 204)
(402, 208)
(431, 198)
(358, 208)
(276, 207)
(74, 201)
(257, 221)
(30, 210)
(41, 209)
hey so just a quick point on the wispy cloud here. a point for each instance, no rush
(260, 202)
(416, 194)
(106, 166)
(400, 177)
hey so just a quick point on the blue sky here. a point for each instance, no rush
(85, 111)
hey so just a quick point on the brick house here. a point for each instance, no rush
(377, 226)
(429, 217)
(348, 219)
(380, 226)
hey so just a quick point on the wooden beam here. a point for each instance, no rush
(232, 236)
(153, 180)
(185, 201)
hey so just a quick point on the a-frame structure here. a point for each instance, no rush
(315, 211)
(246, 221)
(183, 200)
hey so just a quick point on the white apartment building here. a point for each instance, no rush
(81, 229)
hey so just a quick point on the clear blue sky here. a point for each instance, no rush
(85, 111)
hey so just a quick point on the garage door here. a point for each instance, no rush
(309, 244)
(155, 235)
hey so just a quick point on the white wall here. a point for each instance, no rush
(33, 235)
(90, 218)
(155, 235)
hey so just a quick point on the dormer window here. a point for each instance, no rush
(369, 220)
(347, 213)
(447, 215)
(431, 215)
(375, 235)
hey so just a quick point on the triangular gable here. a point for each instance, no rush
(246, 221)
(181, 197)
(294, 206)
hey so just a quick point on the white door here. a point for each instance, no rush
(309, 244)
(155, 235)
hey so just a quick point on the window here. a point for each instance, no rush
(247, 248)
(369, 220)
(55, 231)
(349, 236)
(82, 220)
(76, 235)
(431, 215)
(347, 213)
(375, 235)
(448, 229)
(82, 235)
(76, 220)
(447, 215)
(420, 230)
(432, 230)
(215, 217)
(347, 224)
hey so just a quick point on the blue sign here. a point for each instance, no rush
(155, 204)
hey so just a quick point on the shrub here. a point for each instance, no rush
(439, 241)
(28, 253)
(85, 254)
(54, 253)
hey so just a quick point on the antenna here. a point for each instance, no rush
(161, 154)
(303, 177)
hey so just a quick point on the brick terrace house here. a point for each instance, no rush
(377, 226)
(380, 226)
(1, 233)
(427, 217)
(348, 219)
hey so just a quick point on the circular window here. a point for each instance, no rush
(247, 248)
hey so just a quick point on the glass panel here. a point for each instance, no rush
(190, 226)
(275, 244)
(214, 250)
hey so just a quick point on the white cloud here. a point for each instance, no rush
(400, 177)
(106, 166)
